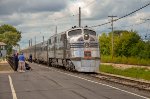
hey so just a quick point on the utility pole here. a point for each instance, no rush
(56, 30)
(35, 50)
(112, 41)
(47, 54)
(79, 17)
(55, 42)
(19, 48)
(31, 43)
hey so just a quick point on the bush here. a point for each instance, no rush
(139, 73)
(125, 60)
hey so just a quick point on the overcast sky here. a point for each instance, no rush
(40, 17)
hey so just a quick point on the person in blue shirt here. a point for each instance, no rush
(21, 62)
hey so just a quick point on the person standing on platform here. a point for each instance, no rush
(21, 62)
(30, 58)
(16, 62)
(0, 54)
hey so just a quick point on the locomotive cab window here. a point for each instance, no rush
(90, 32)
(75, 32)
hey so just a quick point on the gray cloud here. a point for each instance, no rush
(104, 8)
(33, 17)
(30, 6)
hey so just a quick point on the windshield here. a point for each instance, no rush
(74, 32)
(91, 32)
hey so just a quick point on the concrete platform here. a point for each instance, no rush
(5, 67)
(51, 83)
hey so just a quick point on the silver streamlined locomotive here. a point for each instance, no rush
(75, 49)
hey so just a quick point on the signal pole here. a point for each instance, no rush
(112, 29)
(146, 36)
(31, 42)
(79, 17)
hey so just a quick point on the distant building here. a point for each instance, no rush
(2, 49)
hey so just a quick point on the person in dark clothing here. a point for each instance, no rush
(1, 54)
(13, 58)
(30, 58)
(16, 62)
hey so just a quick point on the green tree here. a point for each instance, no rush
(9, 35)
(126, 43)
(104, 44)
(137, 48)
(145, 52)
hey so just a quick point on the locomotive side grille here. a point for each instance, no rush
(93, 45)
(77, 45)
(83, 45)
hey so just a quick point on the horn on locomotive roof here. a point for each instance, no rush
(86, 26)
(74, 27)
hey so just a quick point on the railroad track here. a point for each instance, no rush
(138, 84)
(126, 81)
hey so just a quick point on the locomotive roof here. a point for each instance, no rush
(45, 42)
(72, 29)
(79, 28)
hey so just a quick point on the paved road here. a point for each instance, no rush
(44, 83)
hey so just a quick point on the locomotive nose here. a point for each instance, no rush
(86, 36)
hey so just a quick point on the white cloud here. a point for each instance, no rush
(37, 18)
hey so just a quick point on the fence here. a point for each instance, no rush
(11, 61)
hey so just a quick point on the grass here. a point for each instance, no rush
(135, 72)
(125, 60)
(2, 59)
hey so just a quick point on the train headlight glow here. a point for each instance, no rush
(86, 36)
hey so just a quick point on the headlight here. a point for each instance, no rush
(86, 36)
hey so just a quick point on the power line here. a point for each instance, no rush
(133, 12)
(133, 24)
(124, 15)
(136, 23)
(89, 4)
(67, 16)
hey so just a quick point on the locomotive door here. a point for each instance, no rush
(64, 39)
